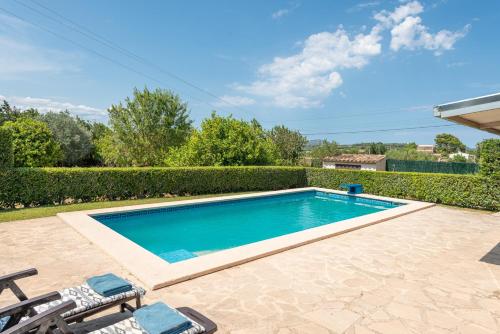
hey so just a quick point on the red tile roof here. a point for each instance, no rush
(358, 158)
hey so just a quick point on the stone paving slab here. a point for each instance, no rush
(433, 271)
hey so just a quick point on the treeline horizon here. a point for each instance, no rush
(154, 128)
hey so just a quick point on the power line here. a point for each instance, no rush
(102, 40)
(108, 43)
(378, 130)
(342, 116)
(98, 54)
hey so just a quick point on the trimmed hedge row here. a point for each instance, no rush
(460, 190)
(39, 186)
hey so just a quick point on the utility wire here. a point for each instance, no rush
(378, 130)
(102, 40)
(108, 43)
(342, 116)
(98, 54)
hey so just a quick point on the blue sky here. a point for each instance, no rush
(315, 66)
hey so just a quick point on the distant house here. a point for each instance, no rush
(425, 148)
(373, 162)
(461, 154)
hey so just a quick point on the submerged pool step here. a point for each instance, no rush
(177, 255)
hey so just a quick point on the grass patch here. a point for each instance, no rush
(52, 210)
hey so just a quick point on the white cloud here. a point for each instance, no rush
(45, 105)
(232, 101)
(284, 11)
(388, 19)
(280, 13)
(363, 5)
(303, 80)
(408, 32)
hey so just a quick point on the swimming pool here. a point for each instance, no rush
(167, 243)
(182, 232)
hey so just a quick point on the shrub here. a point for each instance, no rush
(461, 190)
(38, 186)
(489, 157)
(72, 136)
(6, 154)
(33, 143)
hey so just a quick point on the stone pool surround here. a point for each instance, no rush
(156, 273)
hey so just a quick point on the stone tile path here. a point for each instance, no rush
(420, 273)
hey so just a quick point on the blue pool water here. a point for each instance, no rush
(178, 233)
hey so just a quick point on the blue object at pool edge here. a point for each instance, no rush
(353, 188)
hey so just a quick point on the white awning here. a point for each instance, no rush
(480, 112)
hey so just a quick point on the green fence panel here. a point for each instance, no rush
(424, 166)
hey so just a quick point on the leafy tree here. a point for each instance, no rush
(458, 158)
(74, 139)
(33, 143)
(325, 149)
(377, 148)
(108, 150)
(98, 131)
(224, 141)
(6, 154)
(447, 143)
(488, 152)
(289, 144)
(8, 113)
(409, 152)
(147, 125)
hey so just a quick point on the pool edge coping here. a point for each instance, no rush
(156, 273)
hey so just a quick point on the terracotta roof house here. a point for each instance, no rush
(373, 162)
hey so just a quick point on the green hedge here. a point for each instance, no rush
(461, 190)
(39, 186)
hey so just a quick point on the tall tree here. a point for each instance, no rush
(98, 131)
(225, 141)
(377, 148)
(325, 149)
(33, 143)
(147, 125)
(73, 137)
(447, 143)
(289, 144)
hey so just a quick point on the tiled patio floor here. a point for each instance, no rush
(420, 273)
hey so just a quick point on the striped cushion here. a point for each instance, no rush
(87, 299)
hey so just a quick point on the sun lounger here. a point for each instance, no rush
(46, 321)
(87, 301)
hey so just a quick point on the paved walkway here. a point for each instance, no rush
(420, 273)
